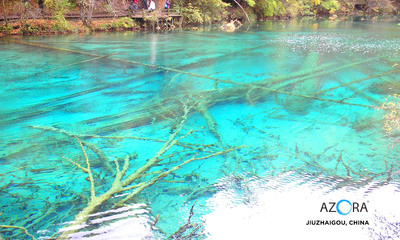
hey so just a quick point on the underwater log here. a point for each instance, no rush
(299, 105)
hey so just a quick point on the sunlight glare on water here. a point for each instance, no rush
(279, 207)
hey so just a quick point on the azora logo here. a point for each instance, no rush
(343, 207)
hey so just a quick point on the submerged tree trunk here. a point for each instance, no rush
(299, 105)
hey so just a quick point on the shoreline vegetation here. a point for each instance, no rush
(43, 17)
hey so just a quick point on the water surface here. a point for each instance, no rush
(292, 104)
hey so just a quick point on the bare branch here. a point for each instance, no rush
(77, 165)
(89, 172)
(166, 173)
(17, 227)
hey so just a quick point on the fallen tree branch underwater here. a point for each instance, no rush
(123, 183)
(17, 227)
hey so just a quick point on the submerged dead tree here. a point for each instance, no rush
(305, 91)
(299, 105)
(189, 230)
(133, 183)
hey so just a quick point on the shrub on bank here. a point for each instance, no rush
(6, 29)
(44, 26)
(120, 24)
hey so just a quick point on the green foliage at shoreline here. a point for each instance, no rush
(202, 11)
(194, 12)
(284, 9)
(118, 25)
(207, 11)
(58, 9)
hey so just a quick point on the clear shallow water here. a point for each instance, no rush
(248, 89)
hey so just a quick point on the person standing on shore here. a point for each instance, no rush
(136, 4)
(166, 5)
(133, 5)
(152, 6)
(145, 4)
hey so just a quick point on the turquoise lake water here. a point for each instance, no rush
(275, 120)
